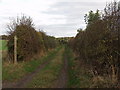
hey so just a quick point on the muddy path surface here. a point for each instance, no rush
(26, 79)
(62, 80)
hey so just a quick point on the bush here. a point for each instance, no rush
(29, 41)
(98, 44)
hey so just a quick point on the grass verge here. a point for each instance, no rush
(46, 77)
(79, 76)
(13, 72)
(73, 80)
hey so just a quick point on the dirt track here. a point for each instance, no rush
(63, 77)
(61, 82)
(24, 80)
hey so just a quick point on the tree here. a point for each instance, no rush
(112, 18)
(98, 45)
(91, 17)
(28, 40)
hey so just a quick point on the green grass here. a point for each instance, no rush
(73, 80)
(13, 72)
(3, 45)
(79, 77)
(47, 76)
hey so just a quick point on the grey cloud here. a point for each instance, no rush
(74, 12)
(69, 29)
(72, 7)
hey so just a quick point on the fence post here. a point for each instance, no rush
(15, 49)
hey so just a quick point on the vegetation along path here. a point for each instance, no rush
(28, 71)
(52, 73)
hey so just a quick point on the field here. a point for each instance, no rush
(3, 45)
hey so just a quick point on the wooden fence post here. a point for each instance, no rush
(15, 49)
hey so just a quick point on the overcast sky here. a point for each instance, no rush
(56, 17)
